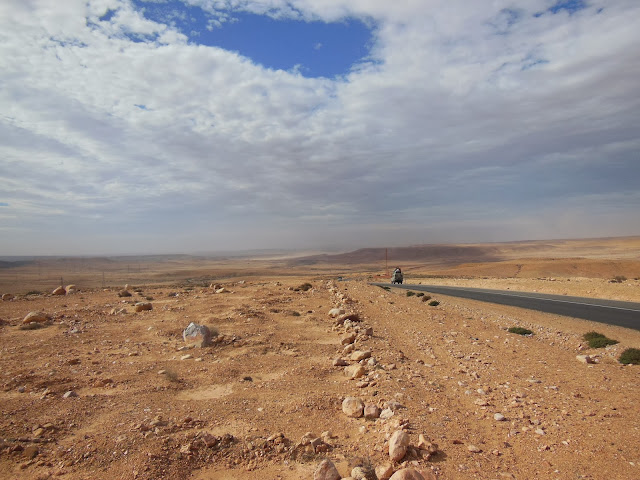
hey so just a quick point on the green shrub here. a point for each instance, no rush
(630, 356)
(34, 292)
(434, 303)
(421, 294)
(618, 279)
(304, 287)
(410, 293)
(520, 331)
(598, 340)
(590, 335)
(601, 342)
(293, 313)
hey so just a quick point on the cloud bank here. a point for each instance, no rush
(466, 122)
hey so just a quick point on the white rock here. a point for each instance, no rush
(406, 474)
(353, 407)
(498, 417)
(585, 359)
(326, 471)
(398, 444)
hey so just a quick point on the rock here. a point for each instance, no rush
(38, 317)
(352, 407)
(498, 417)
(585, 359)
(424, 444)
(363, 473)
(353, 317)
(355, 371)
(398, 444)
(326, 471)
(406, 474)
(335, 312)
(360, 355)
(7, 296)
(348, 349)
(474, 449)
(31, 451)
(71, 289)
(70, 394)
(340, 362)
(186, 357)
(198, 335)
(348, 338)
(371, 412)
(59, 291)
(124, 293)
(384, 472)
(386, 414)
(368, 331)
(142, 306)
(222, 290)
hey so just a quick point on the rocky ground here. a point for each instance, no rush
(103, 391)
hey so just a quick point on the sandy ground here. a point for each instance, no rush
(248, 406)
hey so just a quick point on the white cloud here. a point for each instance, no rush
(465, 105)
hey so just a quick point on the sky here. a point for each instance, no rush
(184, 126)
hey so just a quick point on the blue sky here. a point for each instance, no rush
(202, 125)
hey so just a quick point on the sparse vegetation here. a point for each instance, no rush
(434, 303)
(631, 356)
(410, 293)
(520, 331)
(598, 340)
(384, 287)
(420, 294)
(172, 376)
(304, 287)
(618, 279)
(293, 313)
(426, 298)
(34, 292)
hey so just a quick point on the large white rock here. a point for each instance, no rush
(352, 407)
(326, 471)
(398, 444)
(198, 335)
(406, 474)
(38, 317)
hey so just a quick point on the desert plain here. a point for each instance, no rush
(101, 390)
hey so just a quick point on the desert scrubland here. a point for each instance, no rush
(308, 361)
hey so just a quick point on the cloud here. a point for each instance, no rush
(467, 122)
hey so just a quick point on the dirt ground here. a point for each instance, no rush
(264, 401)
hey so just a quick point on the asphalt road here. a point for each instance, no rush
(611, 312)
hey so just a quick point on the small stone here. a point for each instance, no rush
(353, 317)
(585, 359)
(326, 471)
(360, 355)
(498, 417)
(21, 389)
(38, 317)
(371, 411)
(348, 338)
(474, 449)
(31, 451)
(186, 357)
(59, 291)
(7, 297)
(353, 407)
(143, 306)
(407, 474)
(198, 335)
(355, 371)
(70, 394)
(398, 444)
(340, 362)
(334, 312)
(540, 431)
(386, 414)
(384, 472)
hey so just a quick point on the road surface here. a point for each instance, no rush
(611, 312)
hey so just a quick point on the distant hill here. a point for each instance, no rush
(440, 254)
